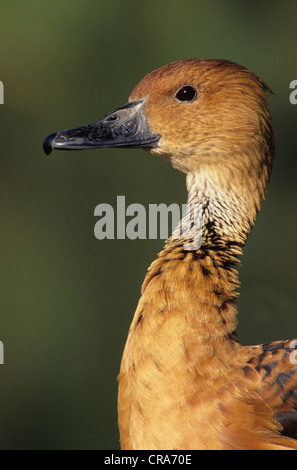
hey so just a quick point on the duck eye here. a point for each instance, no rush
(186, 93)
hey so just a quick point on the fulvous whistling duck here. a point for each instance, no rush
(185, 381)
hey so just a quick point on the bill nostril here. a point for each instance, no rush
(112, 118)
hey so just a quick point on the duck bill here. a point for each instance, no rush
(125, 127)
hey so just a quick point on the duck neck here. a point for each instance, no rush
(200, 281)
(228, 211)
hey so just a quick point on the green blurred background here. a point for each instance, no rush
(67, 299)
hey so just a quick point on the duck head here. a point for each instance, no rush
(194, 113)
(208, 118)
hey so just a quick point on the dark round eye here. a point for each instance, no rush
(186, 93)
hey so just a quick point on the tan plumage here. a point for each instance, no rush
(185, 381)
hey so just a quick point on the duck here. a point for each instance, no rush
(185, 381)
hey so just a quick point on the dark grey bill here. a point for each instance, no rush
(125, 127)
